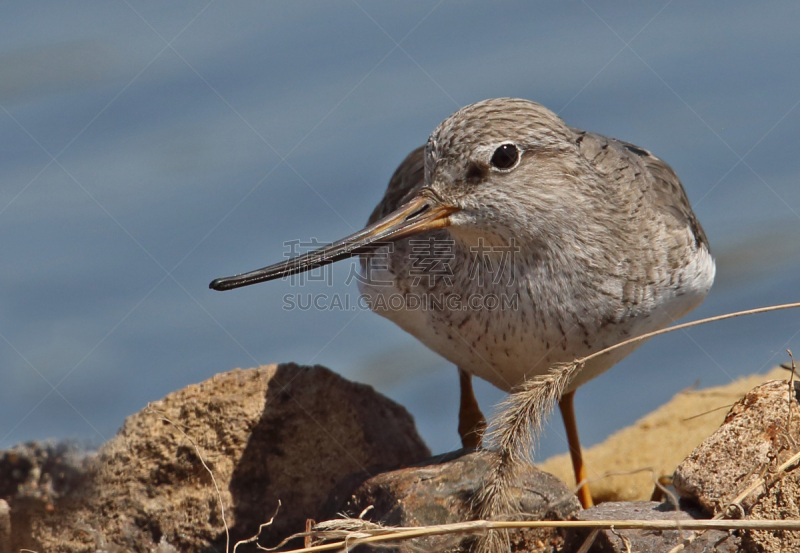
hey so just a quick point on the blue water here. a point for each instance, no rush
(148, 147)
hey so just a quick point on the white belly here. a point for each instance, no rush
(510, 333)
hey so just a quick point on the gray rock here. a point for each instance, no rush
(441, 490)
(651, 541)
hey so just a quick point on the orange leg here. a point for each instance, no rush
(568, 414)
(471, 423)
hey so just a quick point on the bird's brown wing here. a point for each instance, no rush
(407, 180)
(620, 161)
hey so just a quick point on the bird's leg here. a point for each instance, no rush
(471, 422)
(568, 414)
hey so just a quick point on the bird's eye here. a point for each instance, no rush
(505, 157)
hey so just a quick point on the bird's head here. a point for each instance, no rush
(496, 169)
(506, 167)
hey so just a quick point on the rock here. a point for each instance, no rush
(659, 440)
(760, 432)
(622, 541)
(43, 471)
(281, 432)
(33, 477)
(441, 491)
(302, 434)
(5, 528)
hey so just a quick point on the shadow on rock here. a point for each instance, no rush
(315, 431)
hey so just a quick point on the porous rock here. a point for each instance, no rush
(442, 490)
(660, 440)
(760, 432)
(280, 432)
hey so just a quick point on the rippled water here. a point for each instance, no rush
(147, 148)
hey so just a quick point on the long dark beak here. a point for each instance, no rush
(423, 212)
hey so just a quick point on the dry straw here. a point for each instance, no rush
(387, 534)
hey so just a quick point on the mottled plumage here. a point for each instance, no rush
(588, 240)
(609, 245)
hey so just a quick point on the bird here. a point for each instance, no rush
(511, 241)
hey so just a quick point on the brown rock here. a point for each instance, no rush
(760, 432)
(5, 528)
(660, 440)
(441, 491)
(280, 432)
(33, 477)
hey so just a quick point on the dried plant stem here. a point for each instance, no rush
(682, 326)
(589, 541)
(483, 526)
(254, 538)
(511, 435)
(793, 460)
(208, 470)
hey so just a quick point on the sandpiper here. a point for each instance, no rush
(579, 240)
